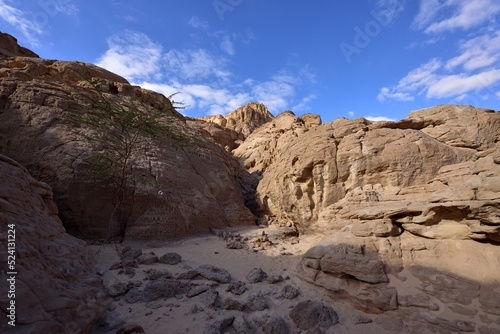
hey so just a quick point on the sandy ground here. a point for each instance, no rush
(175, 314)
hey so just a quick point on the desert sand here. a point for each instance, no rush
(175, 315)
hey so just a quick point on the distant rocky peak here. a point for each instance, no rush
(243, 120)
(10, 48)
(251, 112)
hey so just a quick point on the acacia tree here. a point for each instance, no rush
(116, 127)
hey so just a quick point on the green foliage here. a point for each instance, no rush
(116, 127)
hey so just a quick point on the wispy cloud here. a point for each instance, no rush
(33, 25)
(305, 104)
(129, 18)
(20, 20)
(136, 57)
(195, 64)
(387, 94)
(380, 119)
(477, 53)
(52, 8)
(475, 68)
(202, 77)
(132, 55)
(390, 9)
(439, 16)
(198, 23)
(277, 94)
(227, 46)
(453, 85)
(417, 79)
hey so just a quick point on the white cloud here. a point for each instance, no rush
(32, 25)
(475, 68)
(196, 22)
(439, 16)
(477, 52)
(390, 9)
(195, 64)
(421, 76)
(187, 100)
(202, 78)
(461, 97)
(304, 105)
(227, 46)
(20, 20)
(132, 55)
(274, 94)
(351, 113)
(213, 101)
(210, 100)
(425, 43)
(380, 119)
(498, 94)
(416, 79)
(386, 94)
(459, 84)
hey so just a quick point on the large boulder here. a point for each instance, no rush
(179, 190)
(438, 284)
(55, 289)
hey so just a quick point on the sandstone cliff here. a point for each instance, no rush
(312, 175)
(241, 122)
(199, 182)
(55, 290)
(408, 211)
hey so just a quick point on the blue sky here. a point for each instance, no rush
(378, 59)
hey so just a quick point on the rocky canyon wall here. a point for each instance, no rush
(198, 182)
(55, 289)
(407, 213)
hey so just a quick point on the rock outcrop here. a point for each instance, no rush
(10, 48)
(187, 190)
(311, 175)
(408, 211)
(55, 290)
(243, 121)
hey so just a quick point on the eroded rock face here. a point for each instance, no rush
(387, 176)
(243, 120)
(56, 292)
(199, 183)
(401, 207)
(10, 48)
